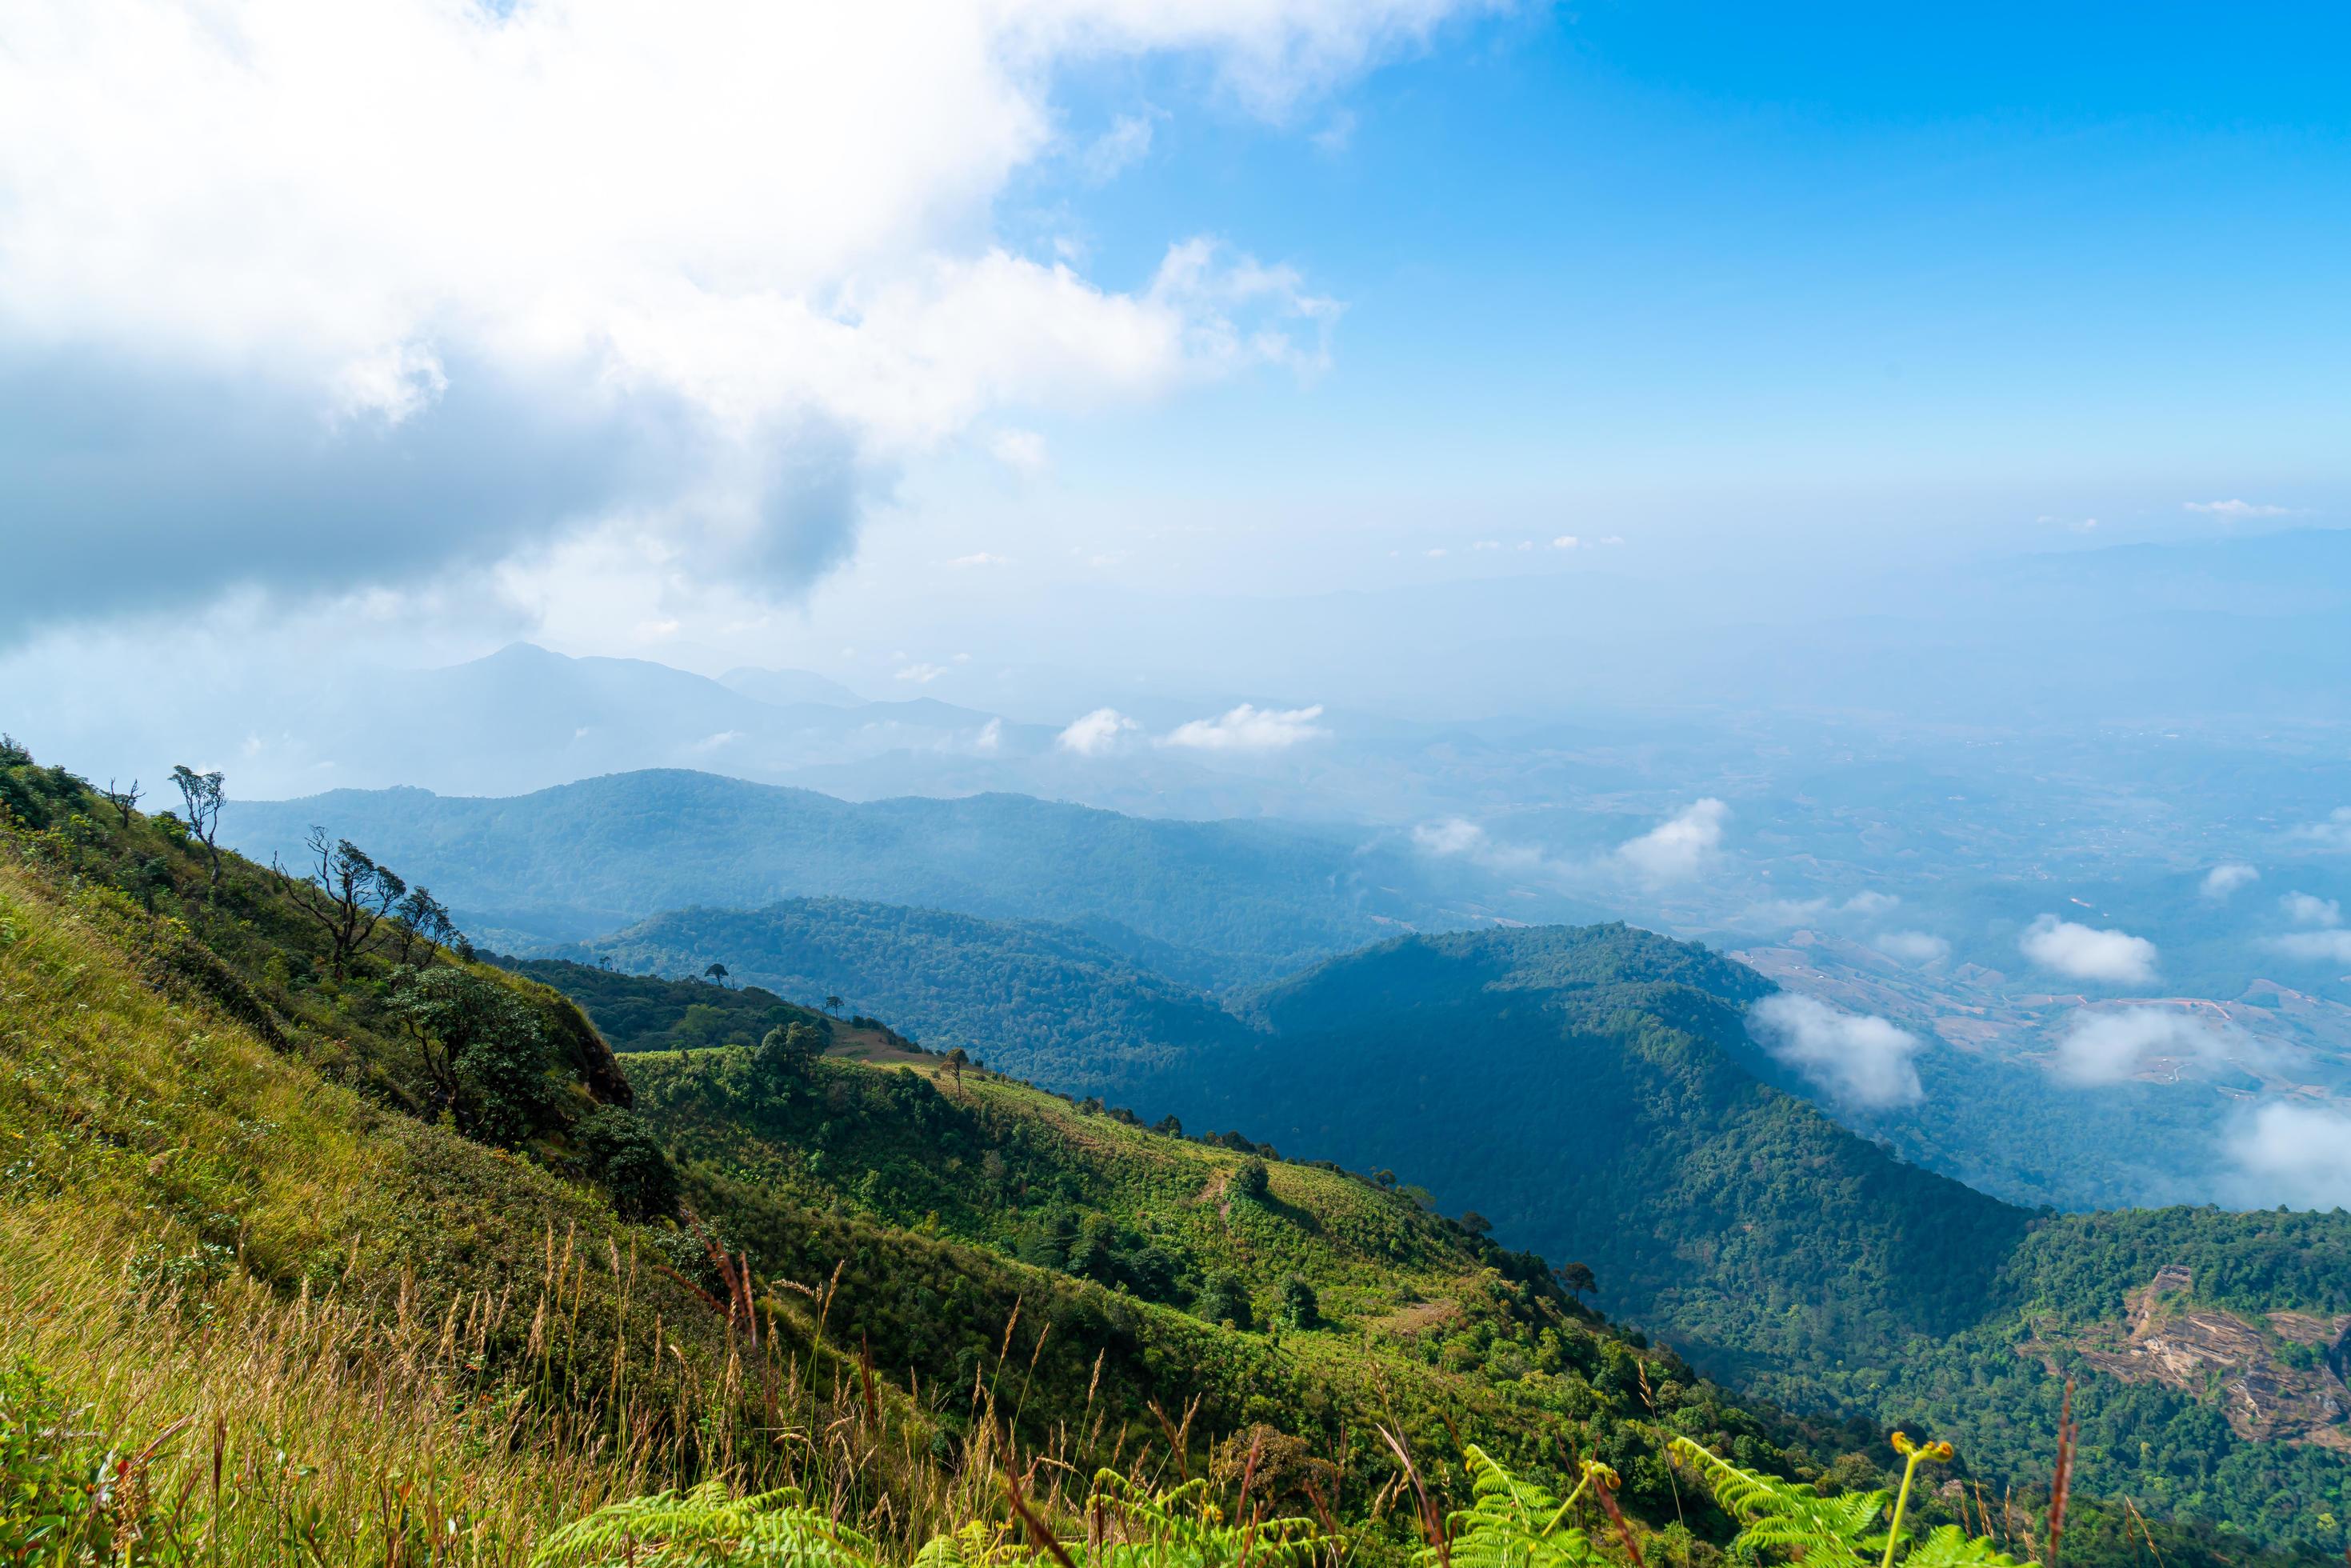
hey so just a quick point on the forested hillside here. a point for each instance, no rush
(1037, 1000)
(1210, 903)
(1587, 1090)
(288, 1170)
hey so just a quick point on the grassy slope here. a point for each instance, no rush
(1424, 1326)
(199, 1128)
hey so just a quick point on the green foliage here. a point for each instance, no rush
(1785, 1521)
(705, 1527)
(1512, 1523)
(1224, 1298)
(1300, 1308)
(621, 1153)
(481, 1047)
(1037, 1001)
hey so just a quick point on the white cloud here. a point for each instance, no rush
(758, 237)
(2111, 1047)
(2083, 953)
(1913, 947)
(1565, 541)
(2314, 946)
(1095, 732)
(2227, 878)
(922, 674)
(1677, 847)
(1856, 1059)
(981, 557)
(1438, 552)
(2335, 833)
(2325, 941)
(1247, 729)
(2295, 1154)
(2309, 909)
(2237, 511)
(1866, 905)
(1022, 451)
(1453, 836)
(990, 738)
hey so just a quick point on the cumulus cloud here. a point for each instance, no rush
(922, 674)
(2295, 1154)
(1913, 947)
(1780, 912)
(1856, 1059)
(2324, 940)
(2110, 1046)
(717, 268)
(2085, 953)
(2227, 878)
(2237, 511)
(1679, 846)
(2335, 833)
(978, 558)
(1249, 728)
(2309, 909)
(1095, 732)
(1456, 837)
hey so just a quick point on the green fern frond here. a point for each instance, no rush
(979, 1544)
(1509, 1523)
(1789, 1519)
(1950, 1547)
(1181, 1528)
(708, 1527)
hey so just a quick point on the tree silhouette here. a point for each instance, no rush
(1576, 1279)
(122, 800)
(955, 1059)
(716, 974)
(832, 1004)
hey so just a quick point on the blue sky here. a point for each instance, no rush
(2077, 267)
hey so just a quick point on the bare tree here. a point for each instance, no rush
(345, 892)
(122, 800)
(204, 795)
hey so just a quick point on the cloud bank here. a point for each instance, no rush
(707, 272)
(1856, 1059)
(2324, 940)
(2083, 953)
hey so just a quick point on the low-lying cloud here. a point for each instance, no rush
(1856, 1059)
(2295, 1154)
(2106, 1048)
(1096, 733)
(2323, 938)
(1913, 947)
(1249, 728)
(2085, 953)
(1679, 846)
(2227, 878)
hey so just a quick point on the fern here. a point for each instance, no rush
(1181, 1528)
(708, 1527)
(1785, 1519)
(1515, 1524)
